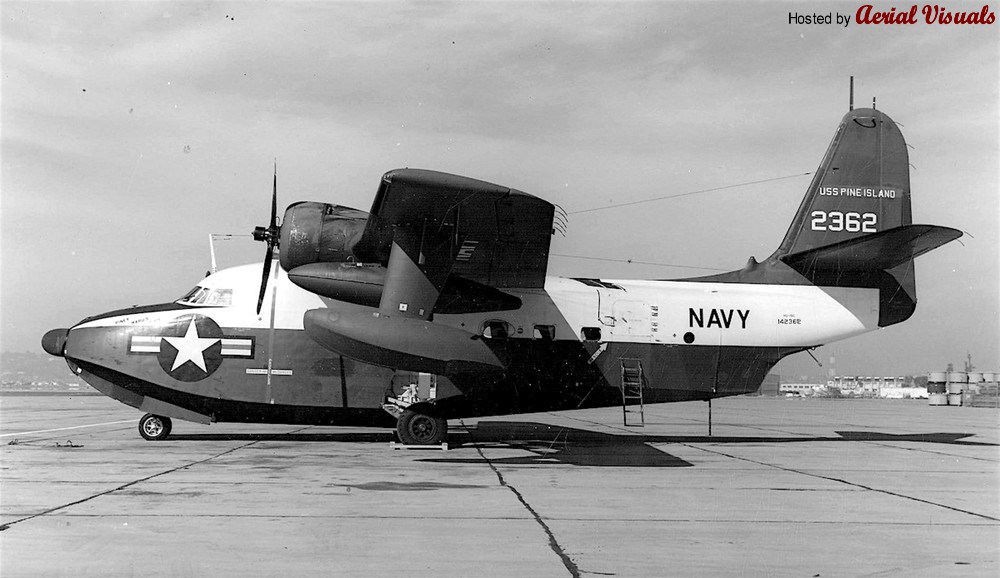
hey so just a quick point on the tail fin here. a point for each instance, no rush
(854, 227)
(861, 187)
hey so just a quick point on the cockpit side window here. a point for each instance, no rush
(219, 298)
(204, 297)
(192, 295)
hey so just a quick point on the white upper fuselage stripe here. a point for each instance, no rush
(728, 314)
(655, 312)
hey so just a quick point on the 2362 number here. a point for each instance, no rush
(850, 222)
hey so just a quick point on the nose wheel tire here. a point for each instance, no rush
(154, 427)
(418, 429)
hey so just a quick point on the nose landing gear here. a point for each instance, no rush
(154, 427)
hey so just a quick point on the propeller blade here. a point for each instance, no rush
(263, 279)
(270, 236)
(274, 201)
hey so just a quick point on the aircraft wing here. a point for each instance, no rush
(428, 226)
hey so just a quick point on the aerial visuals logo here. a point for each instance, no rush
(191, 347)
(930, 14)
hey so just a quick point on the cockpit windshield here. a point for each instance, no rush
(204, 297)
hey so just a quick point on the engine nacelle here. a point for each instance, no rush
(320, 233)
(362, 284)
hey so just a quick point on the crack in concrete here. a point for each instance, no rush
(841, 481)
(926, 451)
(828, 478)
(129, 484)
(553, 543)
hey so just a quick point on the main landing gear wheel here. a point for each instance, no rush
(154, 427)
(418, 429)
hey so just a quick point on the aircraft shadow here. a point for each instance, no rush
(363, 437)
(559, 445)
(548, 444)
(553, 444)
(499, 432)
(931, 438)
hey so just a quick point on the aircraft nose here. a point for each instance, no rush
(54, 342)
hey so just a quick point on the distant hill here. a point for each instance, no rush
(27, 368)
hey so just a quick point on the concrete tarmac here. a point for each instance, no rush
(783, 487)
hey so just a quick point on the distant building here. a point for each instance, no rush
(802, 389)
(897, 387)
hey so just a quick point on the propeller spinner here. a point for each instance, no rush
(269, 235)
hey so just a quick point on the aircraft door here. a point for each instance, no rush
(632, 319)
(626, 319)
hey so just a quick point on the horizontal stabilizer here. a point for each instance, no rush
(878, 251)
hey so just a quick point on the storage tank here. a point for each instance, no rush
(957, 382)
(936, 381)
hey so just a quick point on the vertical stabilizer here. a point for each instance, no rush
(861, 187)
(854, 227)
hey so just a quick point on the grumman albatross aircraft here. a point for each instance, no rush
(436, 305)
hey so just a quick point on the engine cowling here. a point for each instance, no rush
(321, 252)
(320, 233)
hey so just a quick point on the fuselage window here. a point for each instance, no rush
(496, 330)
(546, 332)
(591, 333)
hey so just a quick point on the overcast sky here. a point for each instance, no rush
(131, 131)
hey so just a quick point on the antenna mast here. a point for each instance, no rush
(852, 94)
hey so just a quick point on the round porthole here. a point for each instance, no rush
(689, 337)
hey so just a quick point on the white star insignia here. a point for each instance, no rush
(191, 347)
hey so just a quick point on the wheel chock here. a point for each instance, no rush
(398, 446)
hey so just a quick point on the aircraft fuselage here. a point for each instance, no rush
(562, 349)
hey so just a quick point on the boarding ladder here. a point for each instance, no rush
(632, 382)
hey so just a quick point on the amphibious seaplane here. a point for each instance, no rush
(436, 305)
